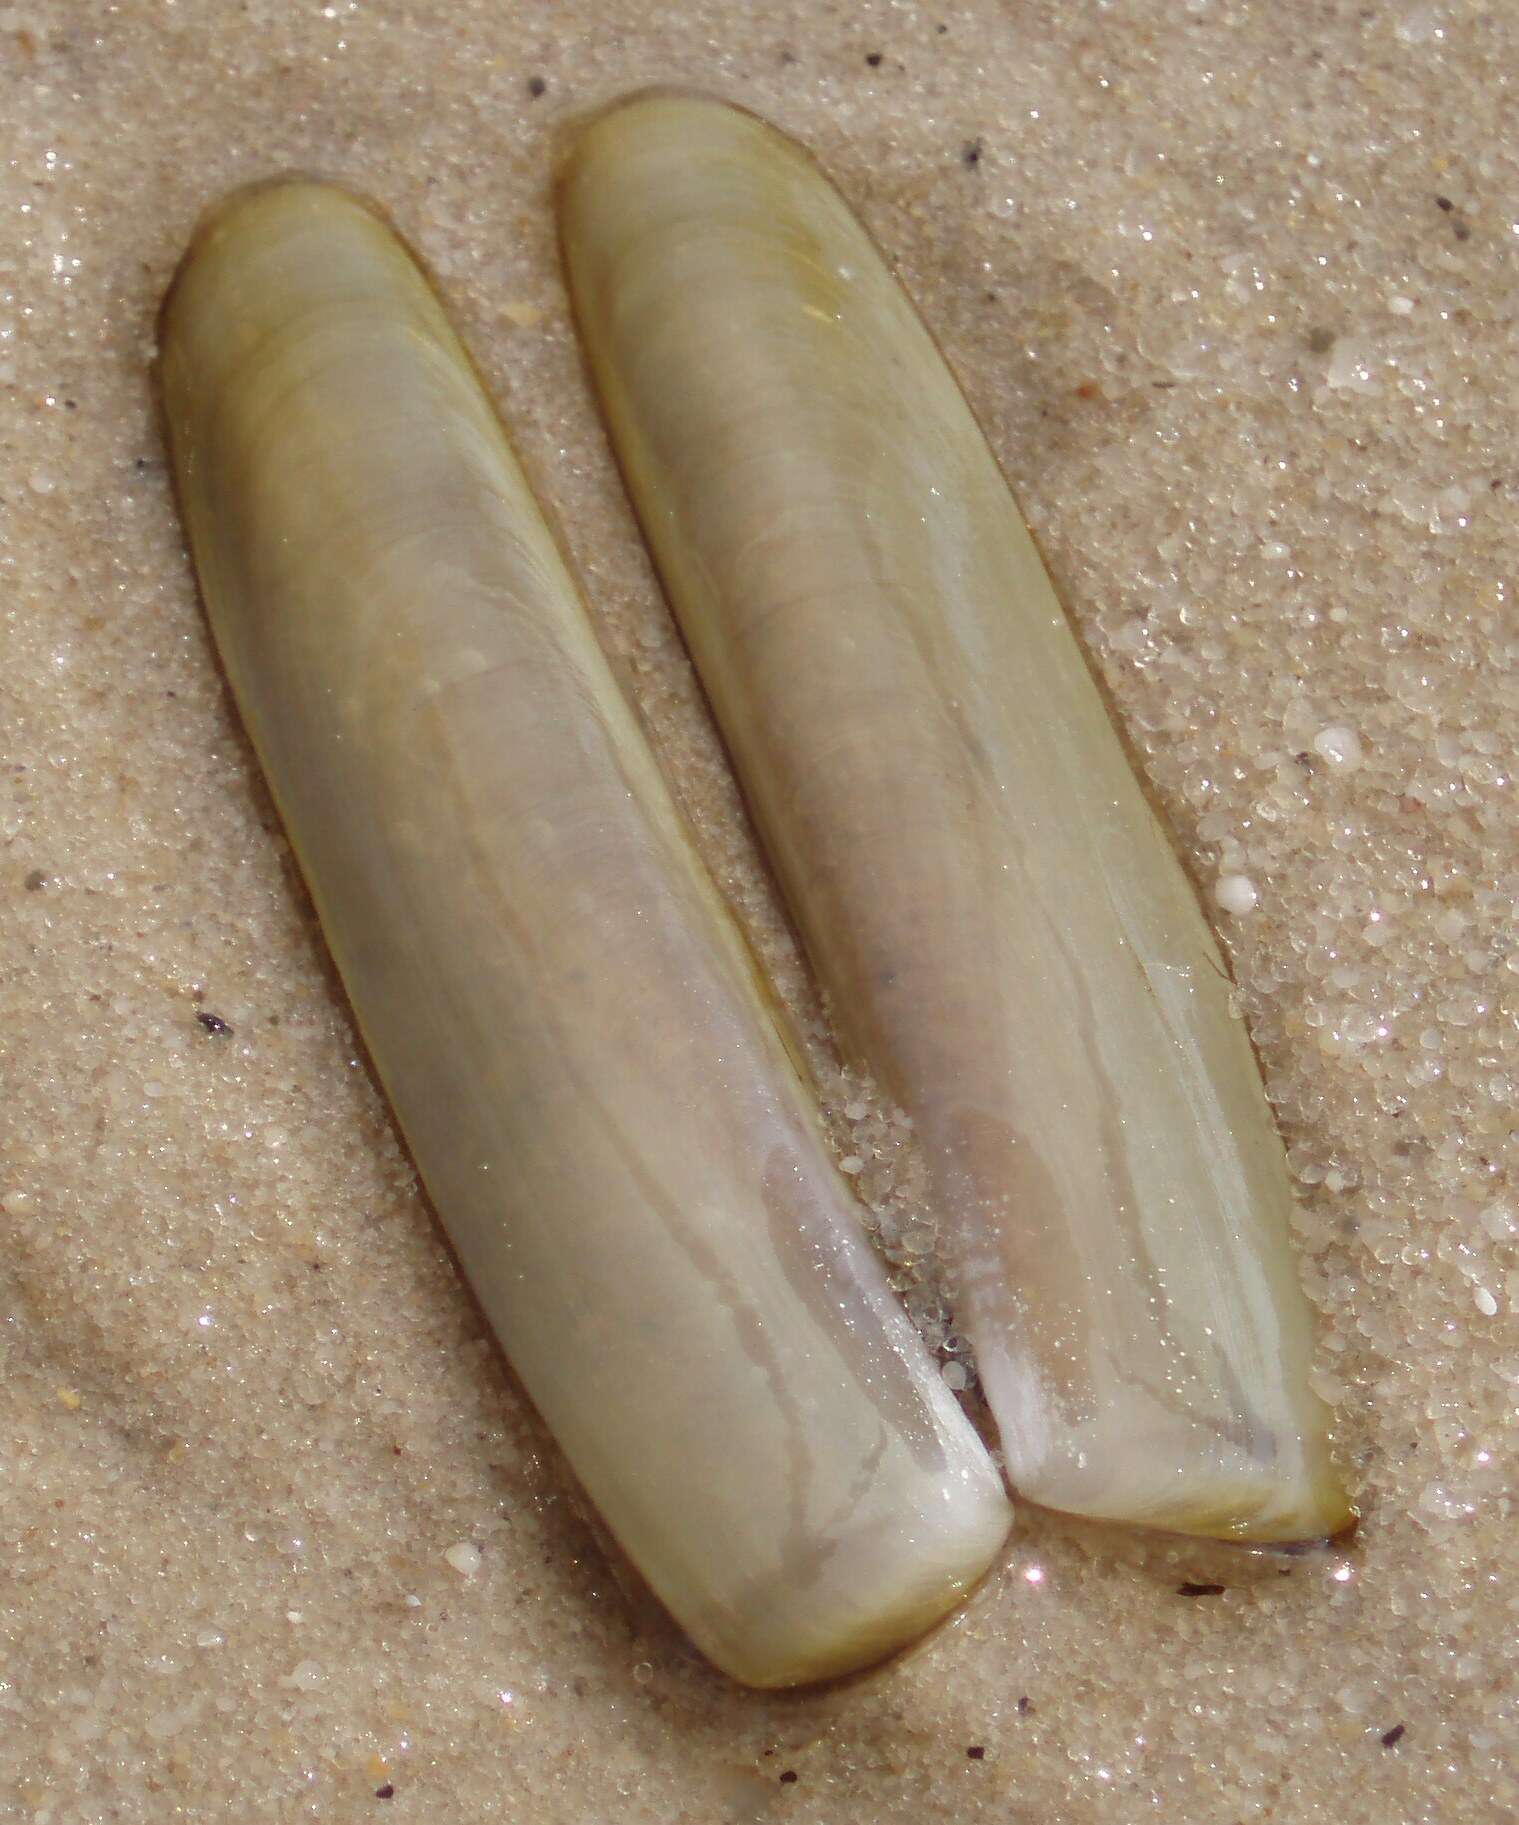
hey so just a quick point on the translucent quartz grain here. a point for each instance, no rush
(1007, 938)
(563, 1014)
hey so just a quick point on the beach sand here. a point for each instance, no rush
(1232, 288)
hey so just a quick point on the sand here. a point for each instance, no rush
(1232, 288)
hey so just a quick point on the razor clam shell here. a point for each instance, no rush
(561, 1010)
(1007, 937)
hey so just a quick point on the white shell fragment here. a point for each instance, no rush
(563, 1013)
(1004, 931)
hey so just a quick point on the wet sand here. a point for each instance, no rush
(1231, 288)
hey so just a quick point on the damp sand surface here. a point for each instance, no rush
(1234, 299)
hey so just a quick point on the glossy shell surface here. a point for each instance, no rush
(1005, 932)
(561, 1010)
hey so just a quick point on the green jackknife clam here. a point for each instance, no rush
(562, 1011)
(1006, 935)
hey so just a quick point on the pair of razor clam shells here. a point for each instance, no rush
(563, 1012)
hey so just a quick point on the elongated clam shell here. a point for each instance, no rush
(562, 1011)
(1006, 934)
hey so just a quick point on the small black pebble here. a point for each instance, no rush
(213, 1023)
(1199, 1590)
(976, 1753)
(35, 881)
(875, 59)
(536, 86)
(788, 1777)
(140, 462)
(1025, 1705)
(1391, 1738)
(71, 405)
(387, 1792)
(1444, 202)
(972, 153)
